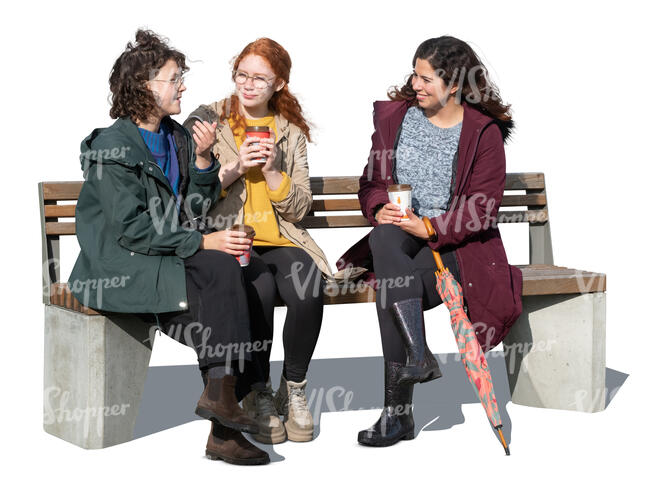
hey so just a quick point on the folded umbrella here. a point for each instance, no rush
(470, 350)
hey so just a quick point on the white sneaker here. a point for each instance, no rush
(291, 401)
(258, 404)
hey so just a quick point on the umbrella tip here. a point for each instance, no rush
(507, 450)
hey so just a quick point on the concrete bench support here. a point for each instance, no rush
(95, 369)
(555, 353)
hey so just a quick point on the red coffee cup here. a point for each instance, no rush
(262, 133)
(245, 258)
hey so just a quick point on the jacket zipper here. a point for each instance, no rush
(394, 157)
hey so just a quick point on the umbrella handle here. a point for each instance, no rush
(432, 233)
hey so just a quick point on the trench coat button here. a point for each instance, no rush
(132, 254)
(493, 263)
(470, 284)
(150, 168)
(183, 304)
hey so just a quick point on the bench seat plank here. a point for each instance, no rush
(538, 280)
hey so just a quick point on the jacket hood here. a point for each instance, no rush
(121, 143)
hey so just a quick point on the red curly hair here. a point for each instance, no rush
(282, 102)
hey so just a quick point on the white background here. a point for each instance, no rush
(576, 75)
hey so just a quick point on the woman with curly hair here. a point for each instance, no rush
(266, 185)
(140, 215)
(443, 134)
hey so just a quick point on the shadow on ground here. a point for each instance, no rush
(340, 384)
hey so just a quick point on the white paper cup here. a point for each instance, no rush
(400, 195)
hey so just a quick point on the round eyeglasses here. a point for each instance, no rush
(259, 82)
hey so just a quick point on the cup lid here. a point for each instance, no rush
(399, 187)
(250, 232)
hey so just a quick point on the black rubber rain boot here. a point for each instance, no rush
(396, 420)
(421, 365)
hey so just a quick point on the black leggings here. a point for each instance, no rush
(216, 323)
(292, 274)
(404, 268)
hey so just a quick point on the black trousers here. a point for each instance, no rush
(291, 274)
(216, 323)
(404, 268)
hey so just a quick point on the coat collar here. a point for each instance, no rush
(388, 116)
(140, 152)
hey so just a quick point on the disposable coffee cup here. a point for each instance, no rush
(400, 195)
(245, 258)
(262, 133)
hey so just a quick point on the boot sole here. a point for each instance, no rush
(212, 455)
(300, 436)
(207, 414)
(373, 442)
(271, 438)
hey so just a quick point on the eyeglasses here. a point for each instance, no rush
(177, 81)
(259, 82)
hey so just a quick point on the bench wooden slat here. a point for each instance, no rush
(326, 185)
(334, 185)
(592, 283)
(356, 221)
(337, 185)
(523, 200)
(540, 216)
(60, 295)
(66, 210)
(61, 190)
(525, 181)
(537, 280)
(324, 205)
(321, 205)
(351, 221)
(60, 229)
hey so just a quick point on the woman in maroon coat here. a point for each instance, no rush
(443, 133)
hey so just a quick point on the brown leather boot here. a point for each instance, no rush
(230, 446)
(218, 403)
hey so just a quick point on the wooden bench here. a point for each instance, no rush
(555, 353)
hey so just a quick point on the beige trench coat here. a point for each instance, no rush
(292, 154)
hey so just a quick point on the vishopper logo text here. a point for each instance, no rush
(227, 353)
(84, 289)
(98, 156)
(56, 410)
(166, 215)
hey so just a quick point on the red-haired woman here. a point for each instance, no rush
(272, 196)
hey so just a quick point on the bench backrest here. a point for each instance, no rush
(335, 205)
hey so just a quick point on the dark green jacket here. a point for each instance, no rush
(133, 241)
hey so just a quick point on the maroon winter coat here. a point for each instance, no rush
(492, 287)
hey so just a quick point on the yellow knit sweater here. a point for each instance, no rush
(258, 208)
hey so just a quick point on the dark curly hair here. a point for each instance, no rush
(456, 63)
(139, 63)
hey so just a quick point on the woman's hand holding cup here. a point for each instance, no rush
(228, 241)
(269, 151)
(250, 154)
(389, 214)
